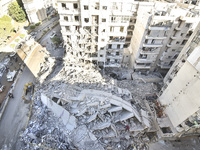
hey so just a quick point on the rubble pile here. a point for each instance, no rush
(90, 111)
(138, 89)
(89, 118)
(45, 129)
(46, 68)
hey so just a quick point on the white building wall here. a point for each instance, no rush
(181, 97)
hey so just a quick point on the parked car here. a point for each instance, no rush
(2, 88)
(52, 35)
(11, 75)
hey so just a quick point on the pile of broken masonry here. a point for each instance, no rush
(81, 109)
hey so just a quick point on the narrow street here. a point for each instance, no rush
(15, 116)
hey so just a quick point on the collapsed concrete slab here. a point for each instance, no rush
(64, 115)
(83, 139)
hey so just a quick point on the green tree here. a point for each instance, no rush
(16, 12)
(56, 40)
(5, 28)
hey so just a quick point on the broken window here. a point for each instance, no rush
(128, 39)
(67, 28)
(184, 41)
(101, 55)
(96, 6)
(187, 25)
(75, 5)
(109, 46)
(111, 29)
(117, 53)
(143, 56)
(113, 19)
(131, 27)
(121, 29)
(86, 20)
(103, 20)
(130, 33)
(125, 19)
(63, 5)
(76, 18)
(126, 45)
(114, 6)
(86, 7)
(118, 46)
(104, 7)
(65, 18)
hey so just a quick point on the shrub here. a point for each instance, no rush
(16, 40)
(37, 24)
(32, 26)
(22, 35)
(12, 45)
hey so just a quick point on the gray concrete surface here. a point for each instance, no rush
(15, 116)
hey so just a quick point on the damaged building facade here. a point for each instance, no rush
(36, 9)
(179, 95)
(140, 35)
(160, 34)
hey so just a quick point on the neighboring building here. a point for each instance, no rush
(159, 31)
(37, 9)
(160, 34)
(110, 24)
(4, 7)
(180, 93)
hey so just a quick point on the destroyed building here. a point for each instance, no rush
(83, 107)
(142, 35)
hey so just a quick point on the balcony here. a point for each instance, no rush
(155, 38)
(178, 28)
(173, 37)
(116, 39)
(141, 66)
(114, 56)
(150, 52)
(112, 64)
(159, 28)
(152, 45)
(169, 45)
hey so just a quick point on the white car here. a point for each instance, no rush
(11, 75)
(52, 35)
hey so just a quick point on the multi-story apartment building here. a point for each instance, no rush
(149, 35)
(109, 23)
(160, 33)
(37, 10)
(180, 93)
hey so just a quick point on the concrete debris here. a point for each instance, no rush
(67, 119)
(83, 139)
(45, 129)
(46, 68)
(92, 111)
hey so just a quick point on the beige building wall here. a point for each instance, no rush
(36, 9)
(181, 97)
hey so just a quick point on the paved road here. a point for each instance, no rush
(16, 114)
